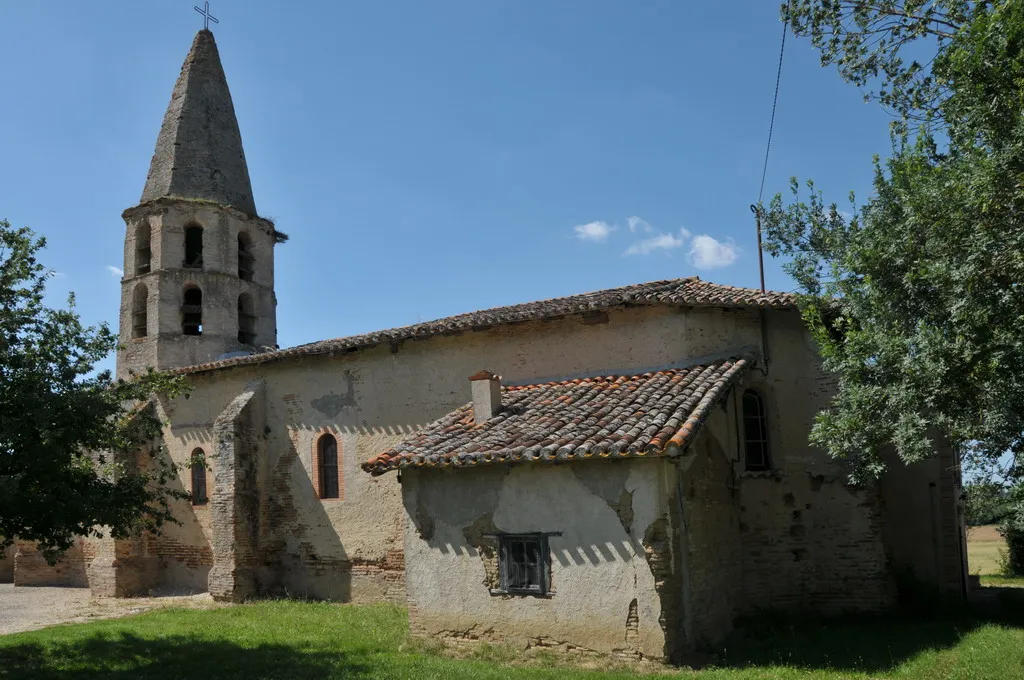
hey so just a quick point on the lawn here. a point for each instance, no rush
(297, 640)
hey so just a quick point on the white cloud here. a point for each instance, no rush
(708, 253)
(664, 242)
(114, 271)
(58, 275)
(639, 223)
(596, 232)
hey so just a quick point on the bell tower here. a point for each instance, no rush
(198, 261)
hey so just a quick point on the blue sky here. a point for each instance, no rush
(434, 158)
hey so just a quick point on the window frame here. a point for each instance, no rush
(764, 440)
(505, 542)
(323, 468)
(198, 472)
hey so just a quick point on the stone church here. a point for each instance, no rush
(625, 471)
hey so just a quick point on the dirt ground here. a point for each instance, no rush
(24, 609)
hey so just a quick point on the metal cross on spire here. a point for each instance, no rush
(207, 17)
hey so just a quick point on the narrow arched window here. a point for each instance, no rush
(143, 253)
(140, 302)
(246, 320)
(755, 432)
(246, 261)
(194, 247)
(198, 477)
(192, 312)
(327, 457)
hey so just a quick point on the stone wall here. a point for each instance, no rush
(7, 564)
(235, 508)
(31, 568)
(923, 526)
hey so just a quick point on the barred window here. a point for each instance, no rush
(524, 564)
(755, 432)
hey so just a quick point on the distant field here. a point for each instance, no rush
(984, 545)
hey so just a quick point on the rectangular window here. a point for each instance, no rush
(524, 564)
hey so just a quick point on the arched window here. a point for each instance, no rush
(198, 477)
(194, 247)
(327, 457)
(755, 432)
(246, 261)
(143, 254)
(246, 320)
(192, 312)
(140, 300)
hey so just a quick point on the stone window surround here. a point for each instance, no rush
(315, 467)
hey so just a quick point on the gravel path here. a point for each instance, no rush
(24, 609)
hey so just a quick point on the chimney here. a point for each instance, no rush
(486, 395)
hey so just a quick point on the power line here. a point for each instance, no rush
(775, 101)
(756, 208)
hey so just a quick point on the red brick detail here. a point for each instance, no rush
(315, 472)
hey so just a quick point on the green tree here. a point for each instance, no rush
(917, 300)
(69, 436)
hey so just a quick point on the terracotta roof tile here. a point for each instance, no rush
(688, 292)
(630, 416)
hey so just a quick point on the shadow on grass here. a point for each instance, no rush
(121, 655)
(863, 644)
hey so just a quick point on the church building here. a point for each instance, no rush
(623, 471)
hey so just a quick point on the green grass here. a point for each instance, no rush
(1002, 581)
(298, 641)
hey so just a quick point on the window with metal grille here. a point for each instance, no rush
(198, 477)
(327, 453)
(524, 564)
(755, 432)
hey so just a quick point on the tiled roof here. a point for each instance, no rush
(653, 414)
(688, 292)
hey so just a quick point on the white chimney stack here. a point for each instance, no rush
(486, 395)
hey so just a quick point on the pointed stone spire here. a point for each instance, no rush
(199, 150)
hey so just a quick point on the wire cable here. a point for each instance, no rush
(775, 101)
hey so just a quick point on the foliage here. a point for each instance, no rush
(915, 299)
(868, 40)
(1012, 529)
(301, 640)
(68, 434)
(986, 502)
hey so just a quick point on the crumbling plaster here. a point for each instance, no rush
(599, 568)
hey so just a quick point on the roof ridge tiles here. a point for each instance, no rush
(685, 292)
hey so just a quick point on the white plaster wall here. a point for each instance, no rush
(597, 566)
